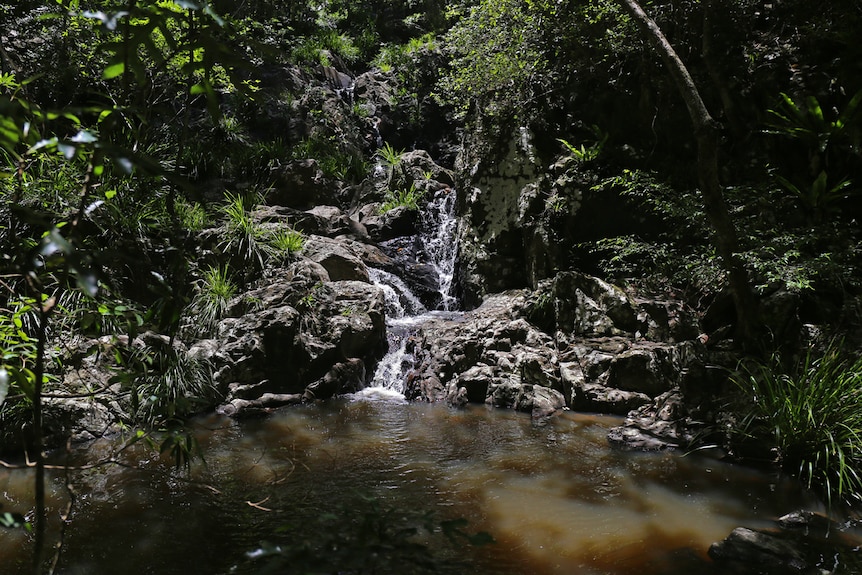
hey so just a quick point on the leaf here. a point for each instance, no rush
(113, 71)
(848, 113)
(109, 21)
(208, 10)
(88, 282)
(125, 164)
(26, 381)
(42, 144)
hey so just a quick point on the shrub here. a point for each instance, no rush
(813, 414)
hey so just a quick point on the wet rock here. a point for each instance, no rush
(639, 370)
(802, 542)
(749, 551)
(345, 377)
(328, 221)
(585, 305)
(662, 424)
(546, 401)
(410, 262)
(395, 223)
(487, 356)
(261, 405)
(471, 386)
(667, 321)
(587, 396)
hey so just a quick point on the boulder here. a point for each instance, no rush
(336, 258)
(585, 305)
(664, 423)
(488, 355)
(397, 222)
(319, 348)
(586, 396)
(749, 551)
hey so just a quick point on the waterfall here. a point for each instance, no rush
(400, 301)
(439, 229)
(404, 311)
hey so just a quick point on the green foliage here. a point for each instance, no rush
(389, 156)
(830, 141)
(401, 58)
(808, 123)
(317, 49)
(819, 196)
(106, 317)
(497, 47)
(508, 55)
(813, 414)
(408, 198)
(215, 291)
(192, 216)
(333, 160)
(589, 153)
(286, 242)
(242, 237)
(182, 447)
(17, 353)
(14, 521)
(167, 385)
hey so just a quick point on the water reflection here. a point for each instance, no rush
(554, 496)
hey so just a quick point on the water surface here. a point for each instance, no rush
(318, 482)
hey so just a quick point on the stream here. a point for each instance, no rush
(368, 483)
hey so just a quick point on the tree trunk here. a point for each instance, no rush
(706, 131)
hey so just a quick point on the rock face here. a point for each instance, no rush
(299, 333)
(590, 360)
(489, 355)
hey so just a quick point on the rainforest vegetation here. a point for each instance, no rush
(138, 136)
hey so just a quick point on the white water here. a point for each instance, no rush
(439, 235)
(404, 311)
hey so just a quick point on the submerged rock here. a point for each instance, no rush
(803, 542)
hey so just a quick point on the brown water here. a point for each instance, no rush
(321, 481)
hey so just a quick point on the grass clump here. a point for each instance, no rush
(812, 413)
(243, 237)
(408, 198)
(192, 216)
(173, 385)
(286, 242)
(215, 292)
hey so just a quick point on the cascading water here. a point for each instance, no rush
(439, 229)
(404, 311)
